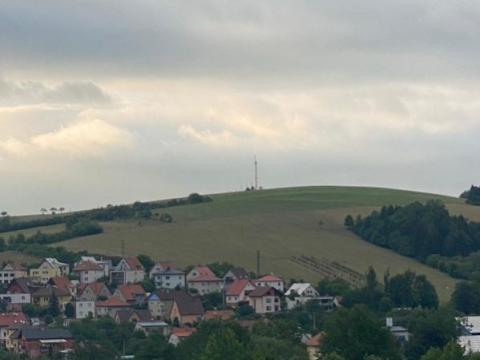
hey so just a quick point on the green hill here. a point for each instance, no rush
(281, 223)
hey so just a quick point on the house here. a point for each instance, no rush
(162, 266)
(299, 294)
(63, 282)
(177, 335)
(133, 315)
(50, 267)
(10, 319)
(110, 306)
(42, 296)
(218, 315)
(399, 332)
(265, 300)
(105, 264)
(36, 342)
(168, 279)
(128, 271)
(470, 334)
(93, 292)
(19, 291)
(236, 273)
(237, 291)
(313, 345)
(160, 303)
(153, 326)
(85, 309)
(271, 281)
(186, 309)
(132, 294)
(202, 279)
(88, 271)
(12, 271)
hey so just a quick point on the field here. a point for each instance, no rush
(280, 223)
(17, 258)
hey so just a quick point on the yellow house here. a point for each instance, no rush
(42, 297)
(49, 268)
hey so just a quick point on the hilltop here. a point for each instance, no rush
(288, 226)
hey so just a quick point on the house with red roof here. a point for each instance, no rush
(202, 279)
(132, 294)
(63, 282)
(265, 300)
(128, 271)
(177, 334)
(313, 345)
(272, 281)
(237, 292)
(94, 291)
(8, 320)
(110, 306)
(88, 271)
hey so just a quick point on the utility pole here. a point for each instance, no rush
(258, 262)
(256, 173)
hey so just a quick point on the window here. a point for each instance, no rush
(268, 308)
(268, 300)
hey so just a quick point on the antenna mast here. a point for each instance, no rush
(256, 173)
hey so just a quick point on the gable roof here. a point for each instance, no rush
(9, 319)
(163, 294)
(87, 266)
(54, 262)
(134, 263)
(187, 304)
(264, 291)
(111, 302)
(35, 333)
(50, 290)
(14, 267)
(204, 274)
(316, 340)
(270, 277)
(236, 287)
(142, 314)
(299, 288)
(130, 291)
(61, 282)
(24, 283)
(239, 273)
(96, 287)
(219, 314)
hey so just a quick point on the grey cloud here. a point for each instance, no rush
(33, 92)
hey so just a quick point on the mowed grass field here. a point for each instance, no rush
(280, 223)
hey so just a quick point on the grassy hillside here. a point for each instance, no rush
(280, 223)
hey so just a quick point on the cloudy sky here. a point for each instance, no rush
(115, 101)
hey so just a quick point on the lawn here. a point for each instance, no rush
(280, 223)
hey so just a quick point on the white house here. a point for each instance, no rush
(84, 309)
(237, 291)
(168, 279)
(10, 272)
(299, 294)
(470, 334)
(129, 270)
(88, 271)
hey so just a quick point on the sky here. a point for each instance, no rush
(109, 102)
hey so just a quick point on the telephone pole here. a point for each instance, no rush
(256, 173)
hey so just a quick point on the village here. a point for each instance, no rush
(94, 288)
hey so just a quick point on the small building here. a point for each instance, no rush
(8, 320)
(153, 326)
(88, 271)
(236, 292)
(19, 291)
(271, 281)
(11, 271)
(132, 294)
(299, 294)
(160, 303)
(236, 273)
(128, 271)
(186, 309)
(85, 309)
(110, 306)
(168, 279)
(203, 280)
(50, 267)
(93, 292)
(133, 315)
(265, 300)
(178, 335)
(37, 342)
(42, 297)
(313, 345)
